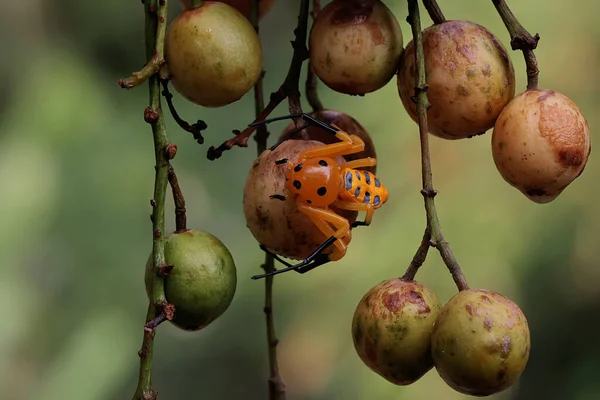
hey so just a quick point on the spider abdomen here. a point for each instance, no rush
(362, 187)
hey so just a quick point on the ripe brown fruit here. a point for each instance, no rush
(470, 76)
(391, 329)
(355, 45)
(344, 122)
(541, 143)
(276, 224)
(213, 54)
(480, 342)
(243, 6)
(203, 281)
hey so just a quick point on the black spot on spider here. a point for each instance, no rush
(367, 177)
(297, 184)
(323, 163)
(357, 191)
(376, 200)
(357, 175)
(377, 183)
(367, 197)
(322, 191)
(298, 167)
(348, 180)
(308, 202)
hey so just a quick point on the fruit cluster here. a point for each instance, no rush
(478, 342)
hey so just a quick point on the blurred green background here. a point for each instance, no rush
(76, 176)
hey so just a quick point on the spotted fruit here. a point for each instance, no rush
(470, 76)
(480, 342)
(391, 329)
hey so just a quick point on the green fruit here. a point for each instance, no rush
(203, 281)
(213, 54)
(480, 342)
(391, 329)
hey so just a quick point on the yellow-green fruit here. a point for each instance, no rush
(391, 329)
(541, 143)
(243, 6)
(470, 76)
(203, 281)
(355, 45)
(480, 342)
(213, 54)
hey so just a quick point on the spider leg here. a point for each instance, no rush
(340, 238)
(304, 116)
(288, 136)
(360, 163)
(316, 257)
(349, 144)
(367, 207)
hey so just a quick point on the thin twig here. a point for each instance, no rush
(312, 94)
(428, 191)
(196, 128)
(289, 88)
(139, 77)
(180, 217)
(155, 27)
(275, 383)
(419, 257)
(520, 39)
(435, 12)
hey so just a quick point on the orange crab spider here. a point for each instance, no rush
(318, 182)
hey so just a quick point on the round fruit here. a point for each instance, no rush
(480, 342)
(355, 45)
(213, 54)
(203, 281)
(391, 329)
(343, 121)
(243, 6)
(541, 143)
(470, 76)
(279, 225)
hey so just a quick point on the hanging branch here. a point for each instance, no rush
(433, 223)
(159, 310)
(312, 80)
(522, 40)
(435, 12)
(276, 385)
(289, 88)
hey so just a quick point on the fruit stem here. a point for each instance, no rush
(275, 383)
(289, 88)
(435, 12)
(178, 199)
(141, 76)
(419, 257)
(312, 94)
(155, 29)
(196, 128)
(520, 39)
(437, 237)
